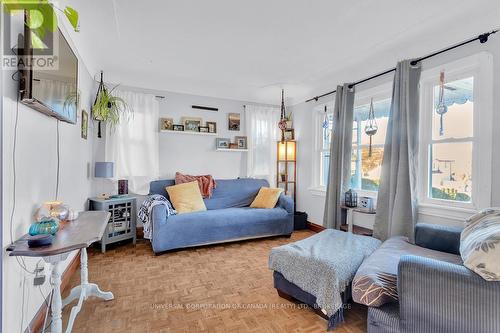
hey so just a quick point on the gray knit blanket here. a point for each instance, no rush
(324, 264)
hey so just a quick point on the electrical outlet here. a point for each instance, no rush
(39, 280)
(39, 274)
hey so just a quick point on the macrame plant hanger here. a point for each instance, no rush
(441, 108)
(101, 88)
(371, 126)
(282, 122)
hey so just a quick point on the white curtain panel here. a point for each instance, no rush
(133, 145)
(262, 135)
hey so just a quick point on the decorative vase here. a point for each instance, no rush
(122, 186)
(44, 227)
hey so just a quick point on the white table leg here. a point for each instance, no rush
(83, 291)
(56, 325)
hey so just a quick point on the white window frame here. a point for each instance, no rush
(318, 115)
(363, 97)
(480, 66)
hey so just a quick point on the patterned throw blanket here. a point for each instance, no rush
(323, 265)
(144, 213)
(206, 183)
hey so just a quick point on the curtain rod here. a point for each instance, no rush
(482, 38)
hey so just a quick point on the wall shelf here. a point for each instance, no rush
(233, 150)
(188, 132)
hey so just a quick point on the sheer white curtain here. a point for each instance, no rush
(133, 145)
(262, 132)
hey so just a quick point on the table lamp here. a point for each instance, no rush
(104, 170)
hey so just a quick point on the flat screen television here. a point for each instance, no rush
(51, 90)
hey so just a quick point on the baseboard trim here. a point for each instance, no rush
(36, 324)
(315, 227)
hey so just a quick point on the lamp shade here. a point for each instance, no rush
(103, 170)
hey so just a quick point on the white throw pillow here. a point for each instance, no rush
(480, 244)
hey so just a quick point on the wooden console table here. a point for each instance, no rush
(74, 235)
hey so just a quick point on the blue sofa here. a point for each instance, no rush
(437, 296)
(228, 217)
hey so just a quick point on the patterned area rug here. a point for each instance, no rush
(220, 288)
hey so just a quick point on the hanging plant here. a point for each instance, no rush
(371, 126)
(108, 108)
(441, 108)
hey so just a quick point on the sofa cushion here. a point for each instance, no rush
(375, 282)
(186, 198)
(480, 244)
(266, 198)
(213, 226)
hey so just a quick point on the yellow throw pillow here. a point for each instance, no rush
(266, 198)
(186, 197)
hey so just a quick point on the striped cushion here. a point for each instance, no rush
(480, 244)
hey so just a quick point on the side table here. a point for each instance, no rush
(123, 218)
(74, 235)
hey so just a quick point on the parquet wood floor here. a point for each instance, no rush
(221, 288)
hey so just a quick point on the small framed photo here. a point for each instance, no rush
(166, 124)
(234, 121)
(223, 143)
(178, 128)
(85, 124)
(191, 124)
(212, 126)
(241, 142)
(290, 134)
(233, 146)
(203, 129)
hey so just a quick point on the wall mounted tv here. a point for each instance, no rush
(49, 83)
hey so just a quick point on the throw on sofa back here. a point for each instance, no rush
(228, 193)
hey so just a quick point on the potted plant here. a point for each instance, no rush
(108, 108)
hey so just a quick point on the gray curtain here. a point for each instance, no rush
(397, 195)
(339, 172)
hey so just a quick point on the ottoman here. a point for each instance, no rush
(318, 270)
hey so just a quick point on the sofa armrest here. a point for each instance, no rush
(437, 296)
(286, 203)
(158, 217)
(438, 237)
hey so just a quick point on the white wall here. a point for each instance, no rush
(196, 154)
(303, 121)
(36, 179)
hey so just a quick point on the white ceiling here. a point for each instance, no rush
(248, 50)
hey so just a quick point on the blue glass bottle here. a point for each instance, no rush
(45, 227)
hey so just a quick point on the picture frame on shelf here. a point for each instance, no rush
(289, 134)
(234, 121)
(241, 142)
(191, 124)
(212, 126)
(223, 143)
(166, 124)
(178, 128)
(203, 129)
(85, 124)
(233, 145)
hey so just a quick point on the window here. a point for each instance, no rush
(366, 169)
(455, 146)
(321, 162)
